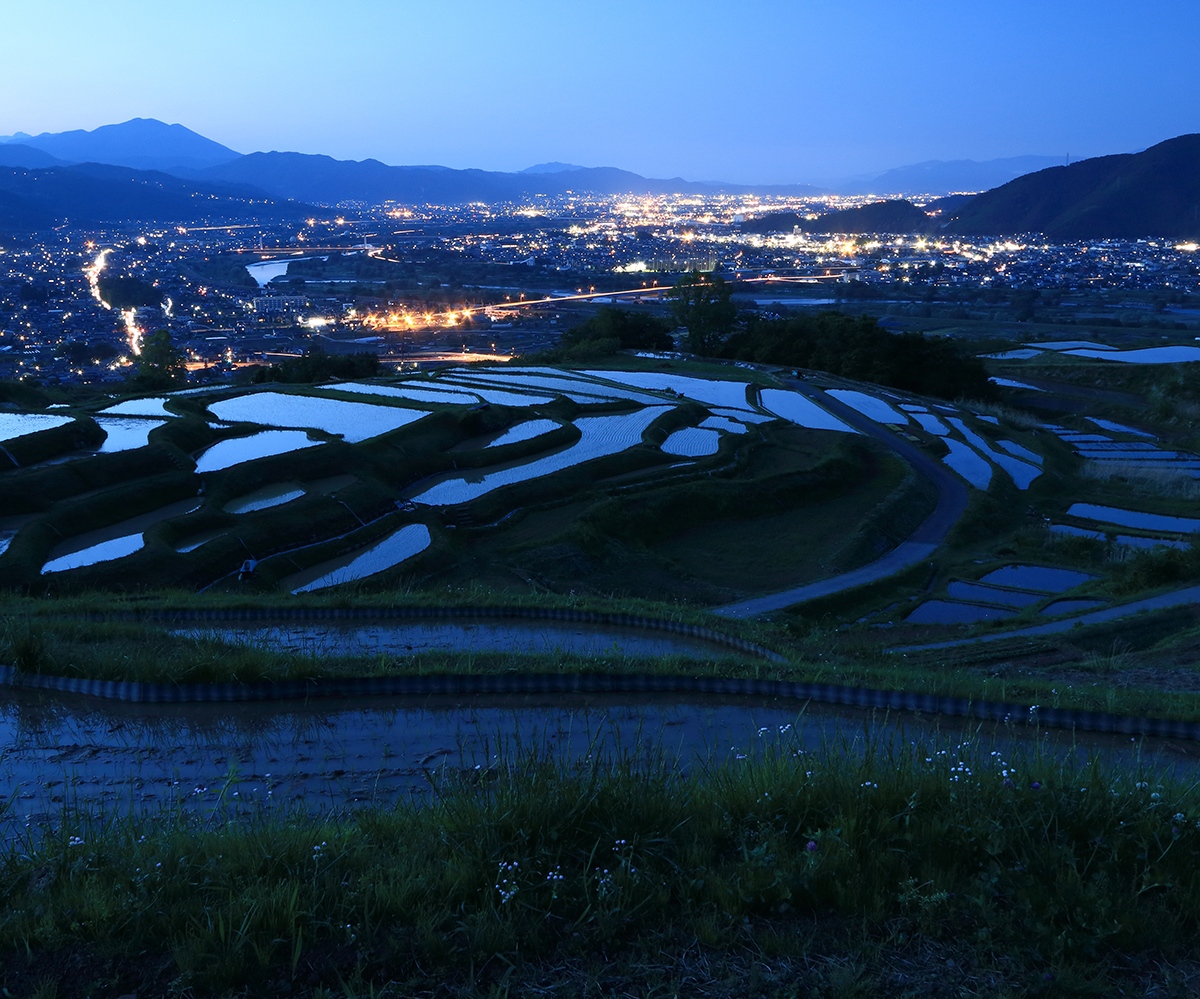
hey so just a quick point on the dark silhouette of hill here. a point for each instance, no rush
(140, 143)
(308, 177)
(99, 193)
(18, 215)
(773, 222)
(15, 154)
(879, 216)
(1151, 193)
(948, 207)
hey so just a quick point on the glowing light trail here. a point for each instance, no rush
(93, 276)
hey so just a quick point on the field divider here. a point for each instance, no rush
(346, 614)
(576, 683)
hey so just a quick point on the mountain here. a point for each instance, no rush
(140, 143)
(880, 216)
(308, 177)
(15, 154)
(93, 193)
(947, 176)
(18, 215)
(1152, 193)
(149, 144)
(554, 167)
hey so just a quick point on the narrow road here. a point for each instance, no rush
(952, 501)
(1175, 598)
(1071, 390)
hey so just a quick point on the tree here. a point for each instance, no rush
(127, 292)
(618, 329)
(856, 347)
(314, 365)
(161, 363)
(702, 303)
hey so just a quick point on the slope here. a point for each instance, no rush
(1152, 193)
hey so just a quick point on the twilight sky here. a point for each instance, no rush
(753, 91)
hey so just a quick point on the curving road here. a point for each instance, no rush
(1176, 598)
(952, 501)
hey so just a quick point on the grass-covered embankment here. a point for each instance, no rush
(92, 636)
(947, 871)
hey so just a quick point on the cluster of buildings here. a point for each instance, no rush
(57, 325)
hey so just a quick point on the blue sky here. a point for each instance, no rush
(749, 90)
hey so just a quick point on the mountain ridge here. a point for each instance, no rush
(323, 179)
(1126, 196)
(139, 144)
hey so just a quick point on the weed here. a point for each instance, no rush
(1150, 481)
(24, 646)
(1051, 862)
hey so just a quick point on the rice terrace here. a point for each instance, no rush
(620, 594)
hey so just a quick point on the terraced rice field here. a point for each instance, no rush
(14, 425)
(967, 462)
(126, 433)
(264, 444)
(692, 442)
(353, 421)
(524, 432)
(599, 436)
(397, 547)
(416, 391)
(801, 411)
(729, 394)
(149, 406)
(872, 407)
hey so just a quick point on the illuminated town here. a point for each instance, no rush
(429, 284)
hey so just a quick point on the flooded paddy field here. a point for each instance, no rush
(64, 752)
(539, 637)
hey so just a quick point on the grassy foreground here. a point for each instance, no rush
(947, 870)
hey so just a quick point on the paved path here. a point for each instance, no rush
(952, 501)
(1176, 598)
(1079, 391)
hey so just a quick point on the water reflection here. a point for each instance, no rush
(243, 758)
(473, 635)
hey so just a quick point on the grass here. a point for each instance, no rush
(1025, 875)
(1163, 482)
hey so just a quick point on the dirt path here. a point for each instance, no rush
(952, 501)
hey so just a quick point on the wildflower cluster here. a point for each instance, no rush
(506, 880)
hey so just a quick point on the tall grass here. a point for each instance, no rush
(1018, 419)
(1168, 482)
(1051, 867)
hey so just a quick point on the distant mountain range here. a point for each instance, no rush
(324, 179)
(947, 176)
(554, 167)
(148, 144)
(175, 171)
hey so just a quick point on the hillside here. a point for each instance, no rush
(879, 216)
(97, 193)
(18, 155)
(1152, 193)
